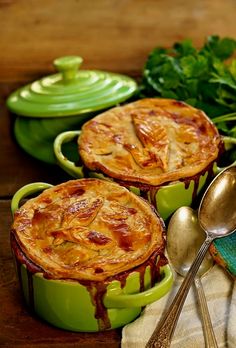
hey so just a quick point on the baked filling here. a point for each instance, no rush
(87, 229)
(150, 141)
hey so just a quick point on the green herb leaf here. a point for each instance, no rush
(221, 48)
(199, 77)
(184, 48)
(194, 66)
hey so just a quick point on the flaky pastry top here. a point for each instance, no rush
(87, 229)
(150, 141)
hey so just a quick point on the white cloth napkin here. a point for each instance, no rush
(220, 292)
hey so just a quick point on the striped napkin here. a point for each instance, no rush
(220, 292)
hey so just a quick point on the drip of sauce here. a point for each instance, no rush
(97, 290)
(31, 290)
(18, 270)
(31, 268)
(21, 257)
(145, 188)
(151, 191)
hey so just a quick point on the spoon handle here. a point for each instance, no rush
(209, 335)
(161, 337)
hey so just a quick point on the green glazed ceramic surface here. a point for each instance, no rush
(171, 197)
(36, 136)
(167, 198)
(67, 304)
(71, 91)
(70, 305)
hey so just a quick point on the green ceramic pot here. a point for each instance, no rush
(71, 91)
(166, 198)
(86, 306)
(63, 101)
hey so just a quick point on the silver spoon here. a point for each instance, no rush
(184, 238)
(217, 216)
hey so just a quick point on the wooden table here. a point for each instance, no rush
(112, 36)
(18, 328)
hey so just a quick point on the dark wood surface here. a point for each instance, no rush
(18, 328)
(113, 35)
(110, 35)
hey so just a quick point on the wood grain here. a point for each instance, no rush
(109, 34)
(19, 328)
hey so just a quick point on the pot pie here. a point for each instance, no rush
(87, 229)
(150, 142)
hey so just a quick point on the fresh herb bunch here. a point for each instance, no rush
(200, 77)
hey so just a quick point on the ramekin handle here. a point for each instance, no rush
(25, 191)
(142, 298)
(69, 166)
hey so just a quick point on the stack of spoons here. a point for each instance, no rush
(217, 218)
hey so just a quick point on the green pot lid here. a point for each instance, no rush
(71, 91)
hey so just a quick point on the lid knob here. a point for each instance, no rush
(68, 66)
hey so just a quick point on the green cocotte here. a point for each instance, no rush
(71, 305)
(166, 198)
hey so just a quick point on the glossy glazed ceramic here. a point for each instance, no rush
(166, 199)
(71, 91)
(47, 103)
(68, 304)
(36, 135)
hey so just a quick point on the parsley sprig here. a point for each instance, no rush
(204, 78)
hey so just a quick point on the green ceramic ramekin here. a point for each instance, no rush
(85, 306)
(166, 198)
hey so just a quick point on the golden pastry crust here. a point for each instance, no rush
(150, 141)
(87, 229)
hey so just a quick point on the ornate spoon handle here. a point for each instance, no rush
(206, 319)
(161, 337)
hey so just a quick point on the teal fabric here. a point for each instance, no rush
(226, 248)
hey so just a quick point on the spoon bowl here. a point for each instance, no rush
(217, 217)
(184, 239)
(217, 210)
